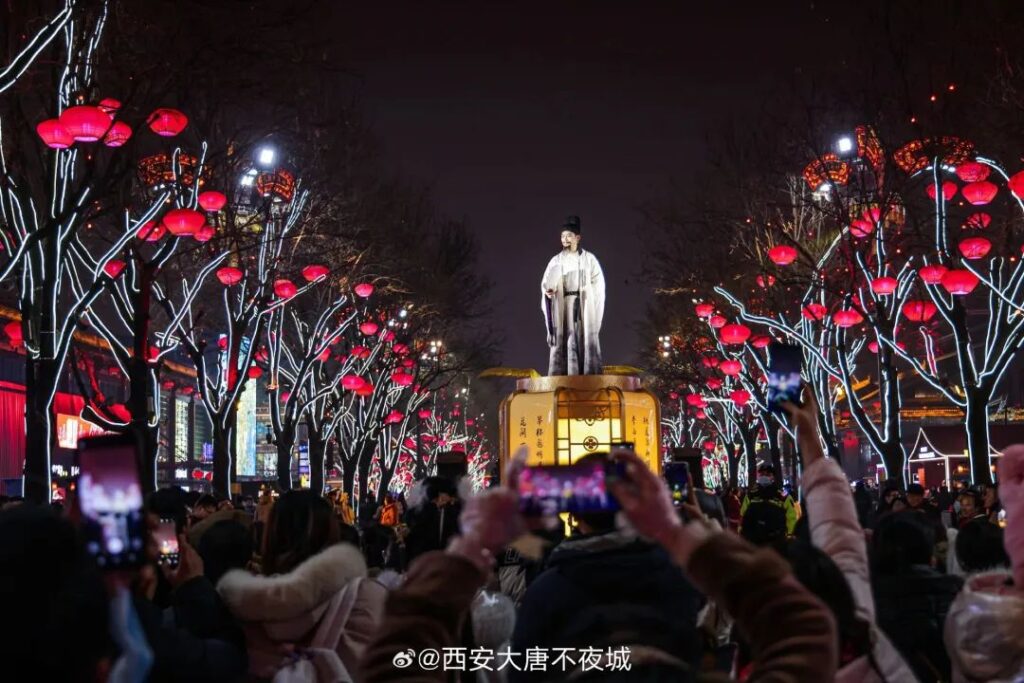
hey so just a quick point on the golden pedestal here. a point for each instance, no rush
(560, 419)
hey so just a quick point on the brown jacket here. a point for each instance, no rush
(791, 632)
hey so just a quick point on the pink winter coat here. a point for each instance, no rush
(281, 612)
(836, 531)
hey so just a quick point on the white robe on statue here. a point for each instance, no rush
(572, 316)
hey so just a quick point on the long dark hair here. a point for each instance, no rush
(301, 524)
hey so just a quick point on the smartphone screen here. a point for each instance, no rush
(110, 500)
(677, 476)
(548, 490)
(166, 537)
(784, 381)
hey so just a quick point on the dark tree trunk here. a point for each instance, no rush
(41, 376)
(317, 460)
(976, 422)
(774, 452)
(285, 443)
(223, 453)
(734, 463)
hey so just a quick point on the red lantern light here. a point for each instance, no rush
(197, 473)
(713, 383)
(255, 372)
(285, 289)
(1016, 184)
(731, 367)
(212, 200)
(948, 190)
(118, 134)
(709, 445)
(402, 379)
(710, 361)
(369, 328)
(761, 341)
(932, 275)
(168, 384)
(229, 276)
(400, 349)
(13, 331)
(183, 221)
(208, 476)
(695, 400)
(222, 342)
(704, 310)
(740, 397)
(717, 321)
(387, 336)
(884, 286)
(167, 122)
(365, 390)
(977, 221)
(314, 272)
(979, 193)
(114, 267)
(960, 282)
(873, 346)
(53, 134)
(782, 255)
(919, 311)
(108, 105)
(424, 414)
(85, 123)
(815, 311)
(352, 382)
(972, 171)
(872, 215)
(765, 281)
(361, 352)
(700, 414)
(151, 231)
(364, 290)
(847, 318)
(734, 334)
(861, 228)
(974, 247)
(205, 233)
(394, 417)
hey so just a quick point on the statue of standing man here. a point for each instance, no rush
(572, 298)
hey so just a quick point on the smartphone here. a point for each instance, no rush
(784, 382)
(166, 537)
(110, 501)
(677, 476)
(548, 490)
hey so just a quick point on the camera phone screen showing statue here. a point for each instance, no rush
(572, 299)
(547, 490)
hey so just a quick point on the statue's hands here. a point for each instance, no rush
(549, 293)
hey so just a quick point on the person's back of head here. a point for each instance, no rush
(764, 523)
(301, 524)
(55, 597)
(979, 547)
(169, 503)
(225, 546)
(901, 540)
(438, 487)
(820, 574)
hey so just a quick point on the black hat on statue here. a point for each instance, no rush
(572, 224)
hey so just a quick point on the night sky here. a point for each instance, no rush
(518, 115)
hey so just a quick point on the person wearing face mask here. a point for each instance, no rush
(764, 503)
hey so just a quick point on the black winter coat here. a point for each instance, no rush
(608, 590)
(911, 609)
(196, 639)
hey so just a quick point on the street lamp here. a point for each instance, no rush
(266, 156)
(844, 145)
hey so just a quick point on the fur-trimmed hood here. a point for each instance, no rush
(289, 605)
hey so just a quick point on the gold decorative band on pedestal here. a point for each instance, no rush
(578, 382)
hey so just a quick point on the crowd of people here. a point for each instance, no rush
(769, 585)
